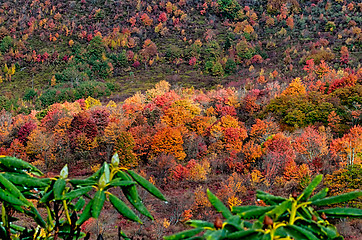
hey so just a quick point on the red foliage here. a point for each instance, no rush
(82, 123)
(100, 116)
(347, 81)
(224, 110)
(162, 17)
(25, 131)
(179, 172)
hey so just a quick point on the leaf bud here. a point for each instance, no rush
(218, 223)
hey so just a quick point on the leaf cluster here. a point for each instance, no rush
(296, 217)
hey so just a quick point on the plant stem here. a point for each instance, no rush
(293, 212)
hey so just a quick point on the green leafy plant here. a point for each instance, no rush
(64, 199)
(292, 218)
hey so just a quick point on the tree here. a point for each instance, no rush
(311, 144)
(295, 88)
(229, 9)
(349, 146)
(169, 140)
(149, 50)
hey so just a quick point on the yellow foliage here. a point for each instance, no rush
(111, 104)
(296, 87)
(256, 177)
(91, 102)
(161, 88)
(95, 167)
(201, 199)
(234, 201)
(198, 172)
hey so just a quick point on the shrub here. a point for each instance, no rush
(64, 199)
(230, 66)
(30, 94)
(229, 9)
(287, 218)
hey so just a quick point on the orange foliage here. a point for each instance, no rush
(169, 140)
(262, 129)
(349, 146)
(311, 144)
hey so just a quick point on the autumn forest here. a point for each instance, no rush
(213, 102)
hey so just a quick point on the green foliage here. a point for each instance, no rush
(64, 198)
(300, 111)
(8, 104)
(229, 9)
(346, 180)
(292, 218)
(173, 52)
(212, 50)
(30, 94)
(6, 43)
(119, 59)
(230, 66)
(85, 89)
(217, 69)
(71, 74)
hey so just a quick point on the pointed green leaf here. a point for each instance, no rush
(337, 199)
(268, 198)
(26, 180)
(184, 235)
(321, 194)
(241, 209)
(310, 188)
(47, 197)
(17, 165)
(58, 188)
(307, 234)
(132, 196)
(86, 214)
(255, 213)
(98, 202)
(12, 189)
(200, 224)
(233, 224)
(215, 235)
(119, 182)
(342, 212)
(242, 234)
(8, 197)
(279, 210)
(80, 204)
(123, 209)
(77, 193)
(82, 182)
(219, 206)
(147, 185)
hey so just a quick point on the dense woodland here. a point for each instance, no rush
(193, 94)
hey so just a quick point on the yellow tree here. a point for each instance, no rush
(296, 87)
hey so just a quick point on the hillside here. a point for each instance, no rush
(229, 95)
